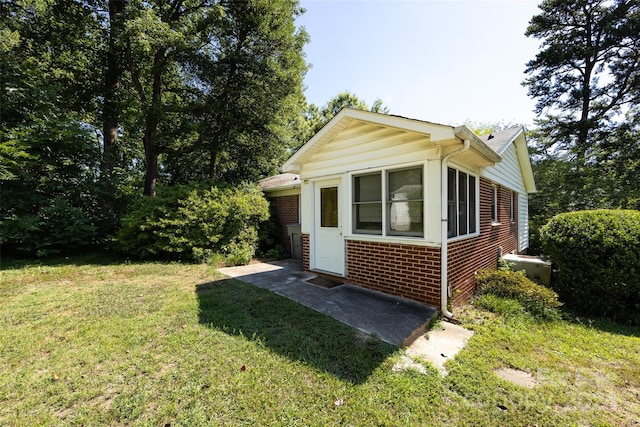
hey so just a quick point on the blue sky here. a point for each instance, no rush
(440, 61)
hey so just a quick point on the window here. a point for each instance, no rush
(461, 203)
(494, 204)
(402, 198)
(513, 202)
(367, 203)
(404, 202)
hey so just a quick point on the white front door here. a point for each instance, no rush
(329, 246)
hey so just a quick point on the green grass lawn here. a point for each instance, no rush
(84, 341)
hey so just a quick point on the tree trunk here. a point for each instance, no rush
(114, 67)
(212, 164)
(152, 120)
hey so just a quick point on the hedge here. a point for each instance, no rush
(596, 256)
(190, 222)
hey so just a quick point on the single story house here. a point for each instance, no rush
(406, 207)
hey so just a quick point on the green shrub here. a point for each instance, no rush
(538, 300)
(52, 228)
(191, 222)
(506, 307)
(596, 255)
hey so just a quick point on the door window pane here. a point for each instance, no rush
(329, 207)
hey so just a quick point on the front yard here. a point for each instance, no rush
(87, 341)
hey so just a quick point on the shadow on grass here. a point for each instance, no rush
(602, 324)
(290, 329)
(87, 258)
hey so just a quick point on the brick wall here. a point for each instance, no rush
(414, 271)
(466, 256)
(287, 211)
(404, 270)
(306, 265)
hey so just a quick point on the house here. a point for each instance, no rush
(406, 207)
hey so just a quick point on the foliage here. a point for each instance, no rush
(269, 234)
(314, 118)
(586, 71)
(54, 204)
(540, 301)
(250, 78)
(585, 80)
(597, 257)
(96, 95)
(193, 222)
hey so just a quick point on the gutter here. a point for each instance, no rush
(444, 270)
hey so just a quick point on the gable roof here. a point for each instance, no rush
(501, 140)
(487, 149)
(443, 135)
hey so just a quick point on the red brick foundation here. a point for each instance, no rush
(404, 270)
(467, 256)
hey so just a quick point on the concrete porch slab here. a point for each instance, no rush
(395, 320)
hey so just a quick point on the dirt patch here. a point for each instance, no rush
(517, 377)
(406, 363)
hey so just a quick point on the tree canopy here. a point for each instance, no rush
(586, 80)
(102, 98)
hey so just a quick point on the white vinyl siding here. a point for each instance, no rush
(508, 174)
(363, 146)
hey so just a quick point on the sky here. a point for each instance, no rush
(442, 61)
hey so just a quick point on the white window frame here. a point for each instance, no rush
(494, 204)
(475, 211)
(386, 233)
(512, 205)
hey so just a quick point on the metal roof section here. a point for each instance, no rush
(280, 182)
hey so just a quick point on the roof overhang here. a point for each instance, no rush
(477, 145)
(448, 137)
(524, 159)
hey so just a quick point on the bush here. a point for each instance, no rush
(538, 300)
(190, 222)
(596, 255)
(53, 228)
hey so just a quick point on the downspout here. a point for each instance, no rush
(444, 285)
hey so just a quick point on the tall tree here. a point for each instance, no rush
(114, 68)
(158, 33)
(252, 73)
(587, 71)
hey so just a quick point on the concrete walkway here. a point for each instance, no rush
(397, 321)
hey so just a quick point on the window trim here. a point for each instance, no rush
(386, 233)
(376, 202)
(494, 205)
(472, 209)
(513, 202)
